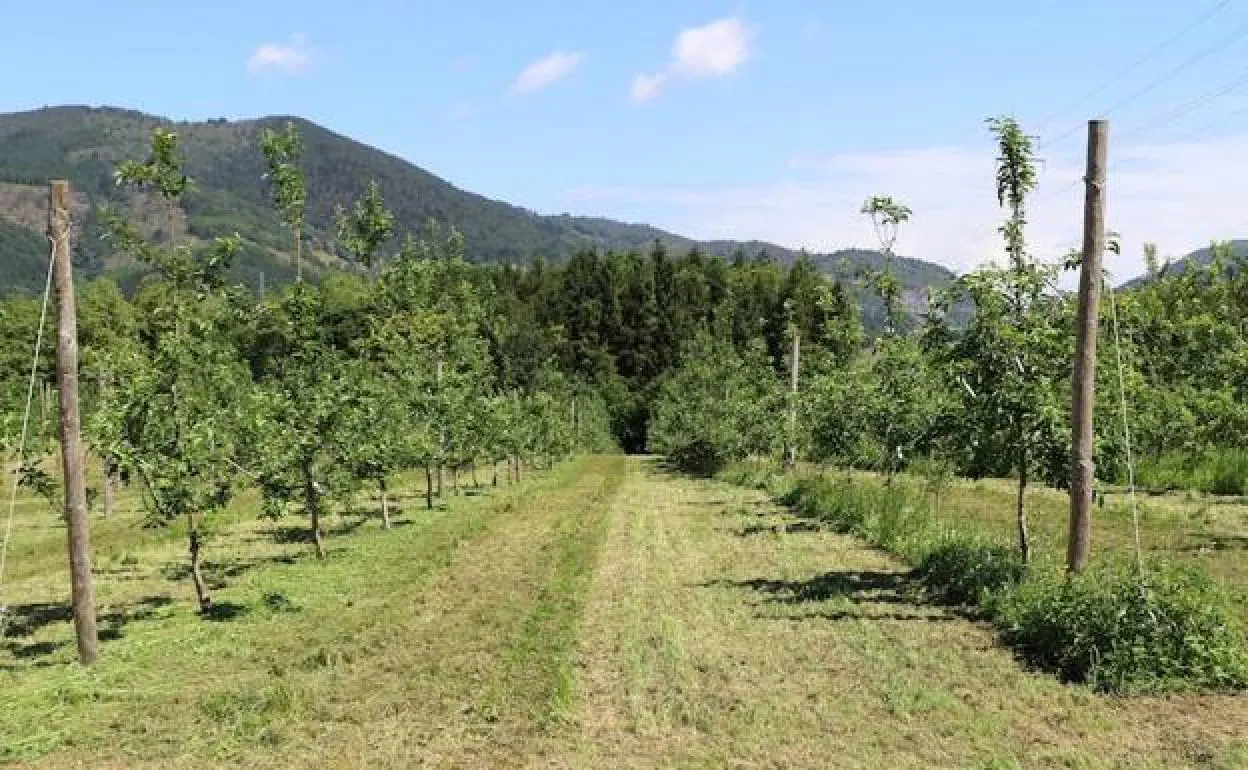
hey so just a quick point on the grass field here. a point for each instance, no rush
(1205, 529)
(603, 615)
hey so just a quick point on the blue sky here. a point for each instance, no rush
(743, 118)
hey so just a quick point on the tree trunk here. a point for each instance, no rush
(428, 487)
(197, 577)
(494, 467)
(312, 504)
(472, 467)
(106, 490)
(455, 480)
(439, 475)
(1024, 538)
(517, 470)
(385, 503)
(82, 597)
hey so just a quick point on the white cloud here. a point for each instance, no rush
(284, 58)
(648, 86)
(711, 50)
(547, 70)
(1179, 196)
(718, 48)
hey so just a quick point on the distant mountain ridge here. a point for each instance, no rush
(1199, 258)
(84, 144)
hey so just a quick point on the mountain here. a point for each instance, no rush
(84, 144)
(1198, 258)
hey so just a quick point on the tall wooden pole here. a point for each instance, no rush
(74, 470)
(1083, 467)
(790, 449)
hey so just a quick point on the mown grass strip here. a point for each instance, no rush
(536, 684)
(174, 684)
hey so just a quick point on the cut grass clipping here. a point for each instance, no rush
(1119, 629)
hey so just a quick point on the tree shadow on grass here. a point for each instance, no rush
(863, 590)
(301, 534)
(25, 620)
(1205, 541)
(784, 527)
(222, 612)
(352, 526)
(856, 585)
(218, 573)
(291, 534)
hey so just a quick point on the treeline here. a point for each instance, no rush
(964, 394)
(626, 321)
(987, 395)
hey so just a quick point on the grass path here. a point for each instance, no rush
(605, 616)
(411, 646)
(722, 632)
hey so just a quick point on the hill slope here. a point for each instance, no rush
(84, 144)
(1198, 258)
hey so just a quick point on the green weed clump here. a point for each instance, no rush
(1167, 629)
(764, 476)
(895, 519)
(1214, 472)
(970, 571)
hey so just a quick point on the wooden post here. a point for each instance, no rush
(790, 449)
(71, 435)
(1083, 468)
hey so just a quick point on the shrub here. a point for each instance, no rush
(761, 475)
(966, 570)
(698, 457)
(1225, 472)
(1215, 471)
(894, 518)
(1174, 628)
(719, 406)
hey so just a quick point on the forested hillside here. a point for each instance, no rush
(230, 195)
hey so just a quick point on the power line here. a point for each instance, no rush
(1149, 87)
(1152, 85)
(1212, 124)
(1150, 53)
(1180, 68)
(1189, 106)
